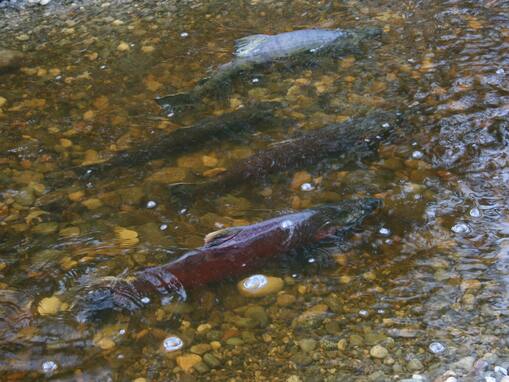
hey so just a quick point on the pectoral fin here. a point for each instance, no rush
(245, 45)
(174, 103)
(216, 238)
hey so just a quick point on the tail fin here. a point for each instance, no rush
(174, 103)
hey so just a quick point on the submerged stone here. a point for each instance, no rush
(187, 361)
(49, 306)
(378, 351)
(260, 286)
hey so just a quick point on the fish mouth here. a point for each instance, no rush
(372, 204)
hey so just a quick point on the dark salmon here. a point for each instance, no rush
(229, 252)
(354, 136)
(184, 139)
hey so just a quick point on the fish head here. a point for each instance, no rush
(378, 125)
(371, 32)
(344, 215)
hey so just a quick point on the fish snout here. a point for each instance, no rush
(372, 204)
(372, 32)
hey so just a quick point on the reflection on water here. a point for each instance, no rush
(421, 288)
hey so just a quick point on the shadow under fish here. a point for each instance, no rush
(355, 136)
(252, 52)
(226, 253)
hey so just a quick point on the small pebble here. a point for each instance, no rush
(285, 299)
(151, 204)
(203, 328)
(105, 343)
(211, 360)
(123, 47)
(259, 286)
(49, 306)
(414, 364)
(307, 344)
(465, 363)
(384, 231)
(378, 351)
(187, 361)
(184, 34)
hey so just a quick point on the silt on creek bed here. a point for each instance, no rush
(418, 293)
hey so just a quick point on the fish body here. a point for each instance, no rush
(255, 50)
(350, 137)
(226, 253)
(182, 140)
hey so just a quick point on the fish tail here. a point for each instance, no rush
(174, 103)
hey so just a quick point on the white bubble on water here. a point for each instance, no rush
(307, 187)
(173, 343)
(460, 228)
(384, 231)
(475, 213)
(417, 154)
(255, 282)
(49, 367)
(184, 34)
(436, 347)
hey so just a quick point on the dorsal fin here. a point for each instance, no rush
(215, 238)
(245, 45)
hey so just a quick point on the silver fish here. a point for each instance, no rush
(252, 51)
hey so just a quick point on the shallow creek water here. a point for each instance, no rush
(419, 292)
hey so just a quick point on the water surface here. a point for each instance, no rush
(432, 267)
